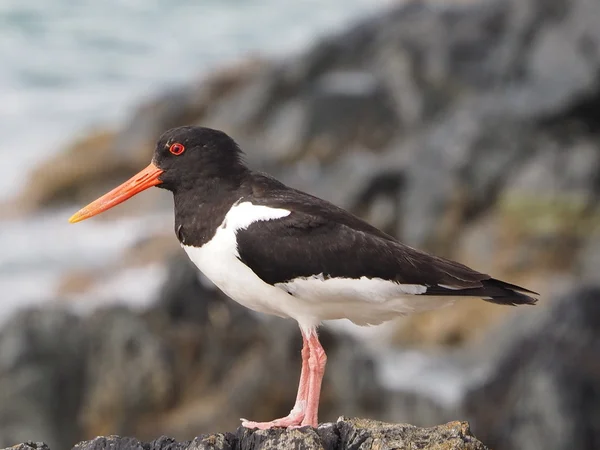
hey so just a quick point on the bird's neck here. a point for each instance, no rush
(200, 210)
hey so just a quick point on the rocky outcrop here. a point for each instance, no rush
(341, 435)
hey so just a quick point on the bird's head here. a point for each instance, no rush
(184, 158)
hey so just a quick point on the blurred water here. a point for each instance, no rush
(66, 66)
(36, 253)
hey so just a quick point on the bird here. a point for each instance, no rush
(281, 251)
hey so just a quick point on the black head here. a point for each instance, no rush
(196, 160)
(191, 155)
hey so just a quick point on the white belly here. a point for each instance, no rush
(240, 283)
(218, 260)
(308, 300)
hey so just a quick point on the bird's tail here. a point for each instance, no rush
(502, 293)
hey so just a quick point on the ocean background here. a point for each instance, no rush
(70, 66)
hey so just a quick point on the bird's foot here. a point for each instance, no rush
(293, 420)
(306, 422)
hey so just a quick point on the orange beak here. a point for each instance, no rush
(136, 184)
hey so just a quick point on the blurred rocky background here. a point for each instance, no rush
(467, 128)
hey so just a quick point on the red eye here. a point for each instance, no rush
(177, 149)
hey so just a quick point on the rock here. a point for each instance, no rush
(129, 371)
(467, 320)
(30, 446)
(342, 110)
(343, 434)
(543, 380)
(371, 434)
(42, 376)
(88, 158)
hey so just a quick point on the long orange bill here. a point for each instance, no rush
(136, 184)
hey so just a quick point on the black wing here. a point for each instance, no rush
(320, 238)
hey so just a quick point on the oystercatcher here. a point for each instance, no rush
(281, 251)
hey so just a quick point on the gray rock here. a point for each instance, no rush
(30, 446)
(463, 165)
(543, 387)
(345, 110)
(42, 373)
(344, 434)
(129, 370)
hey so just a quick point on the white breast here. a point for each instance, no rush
(219, 260)
(308, 300)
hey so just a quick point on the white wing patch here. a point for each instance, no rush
(244, 214)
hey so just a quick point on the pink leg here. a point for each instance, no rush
(316, 364)
(296, 415)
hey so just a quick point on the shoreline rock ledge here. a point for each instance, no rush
(357, 434)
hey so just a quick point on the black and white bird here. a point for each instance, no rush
(284, 252)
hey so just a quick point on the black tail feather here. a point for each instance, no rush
(491, 290)
(503, 293)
